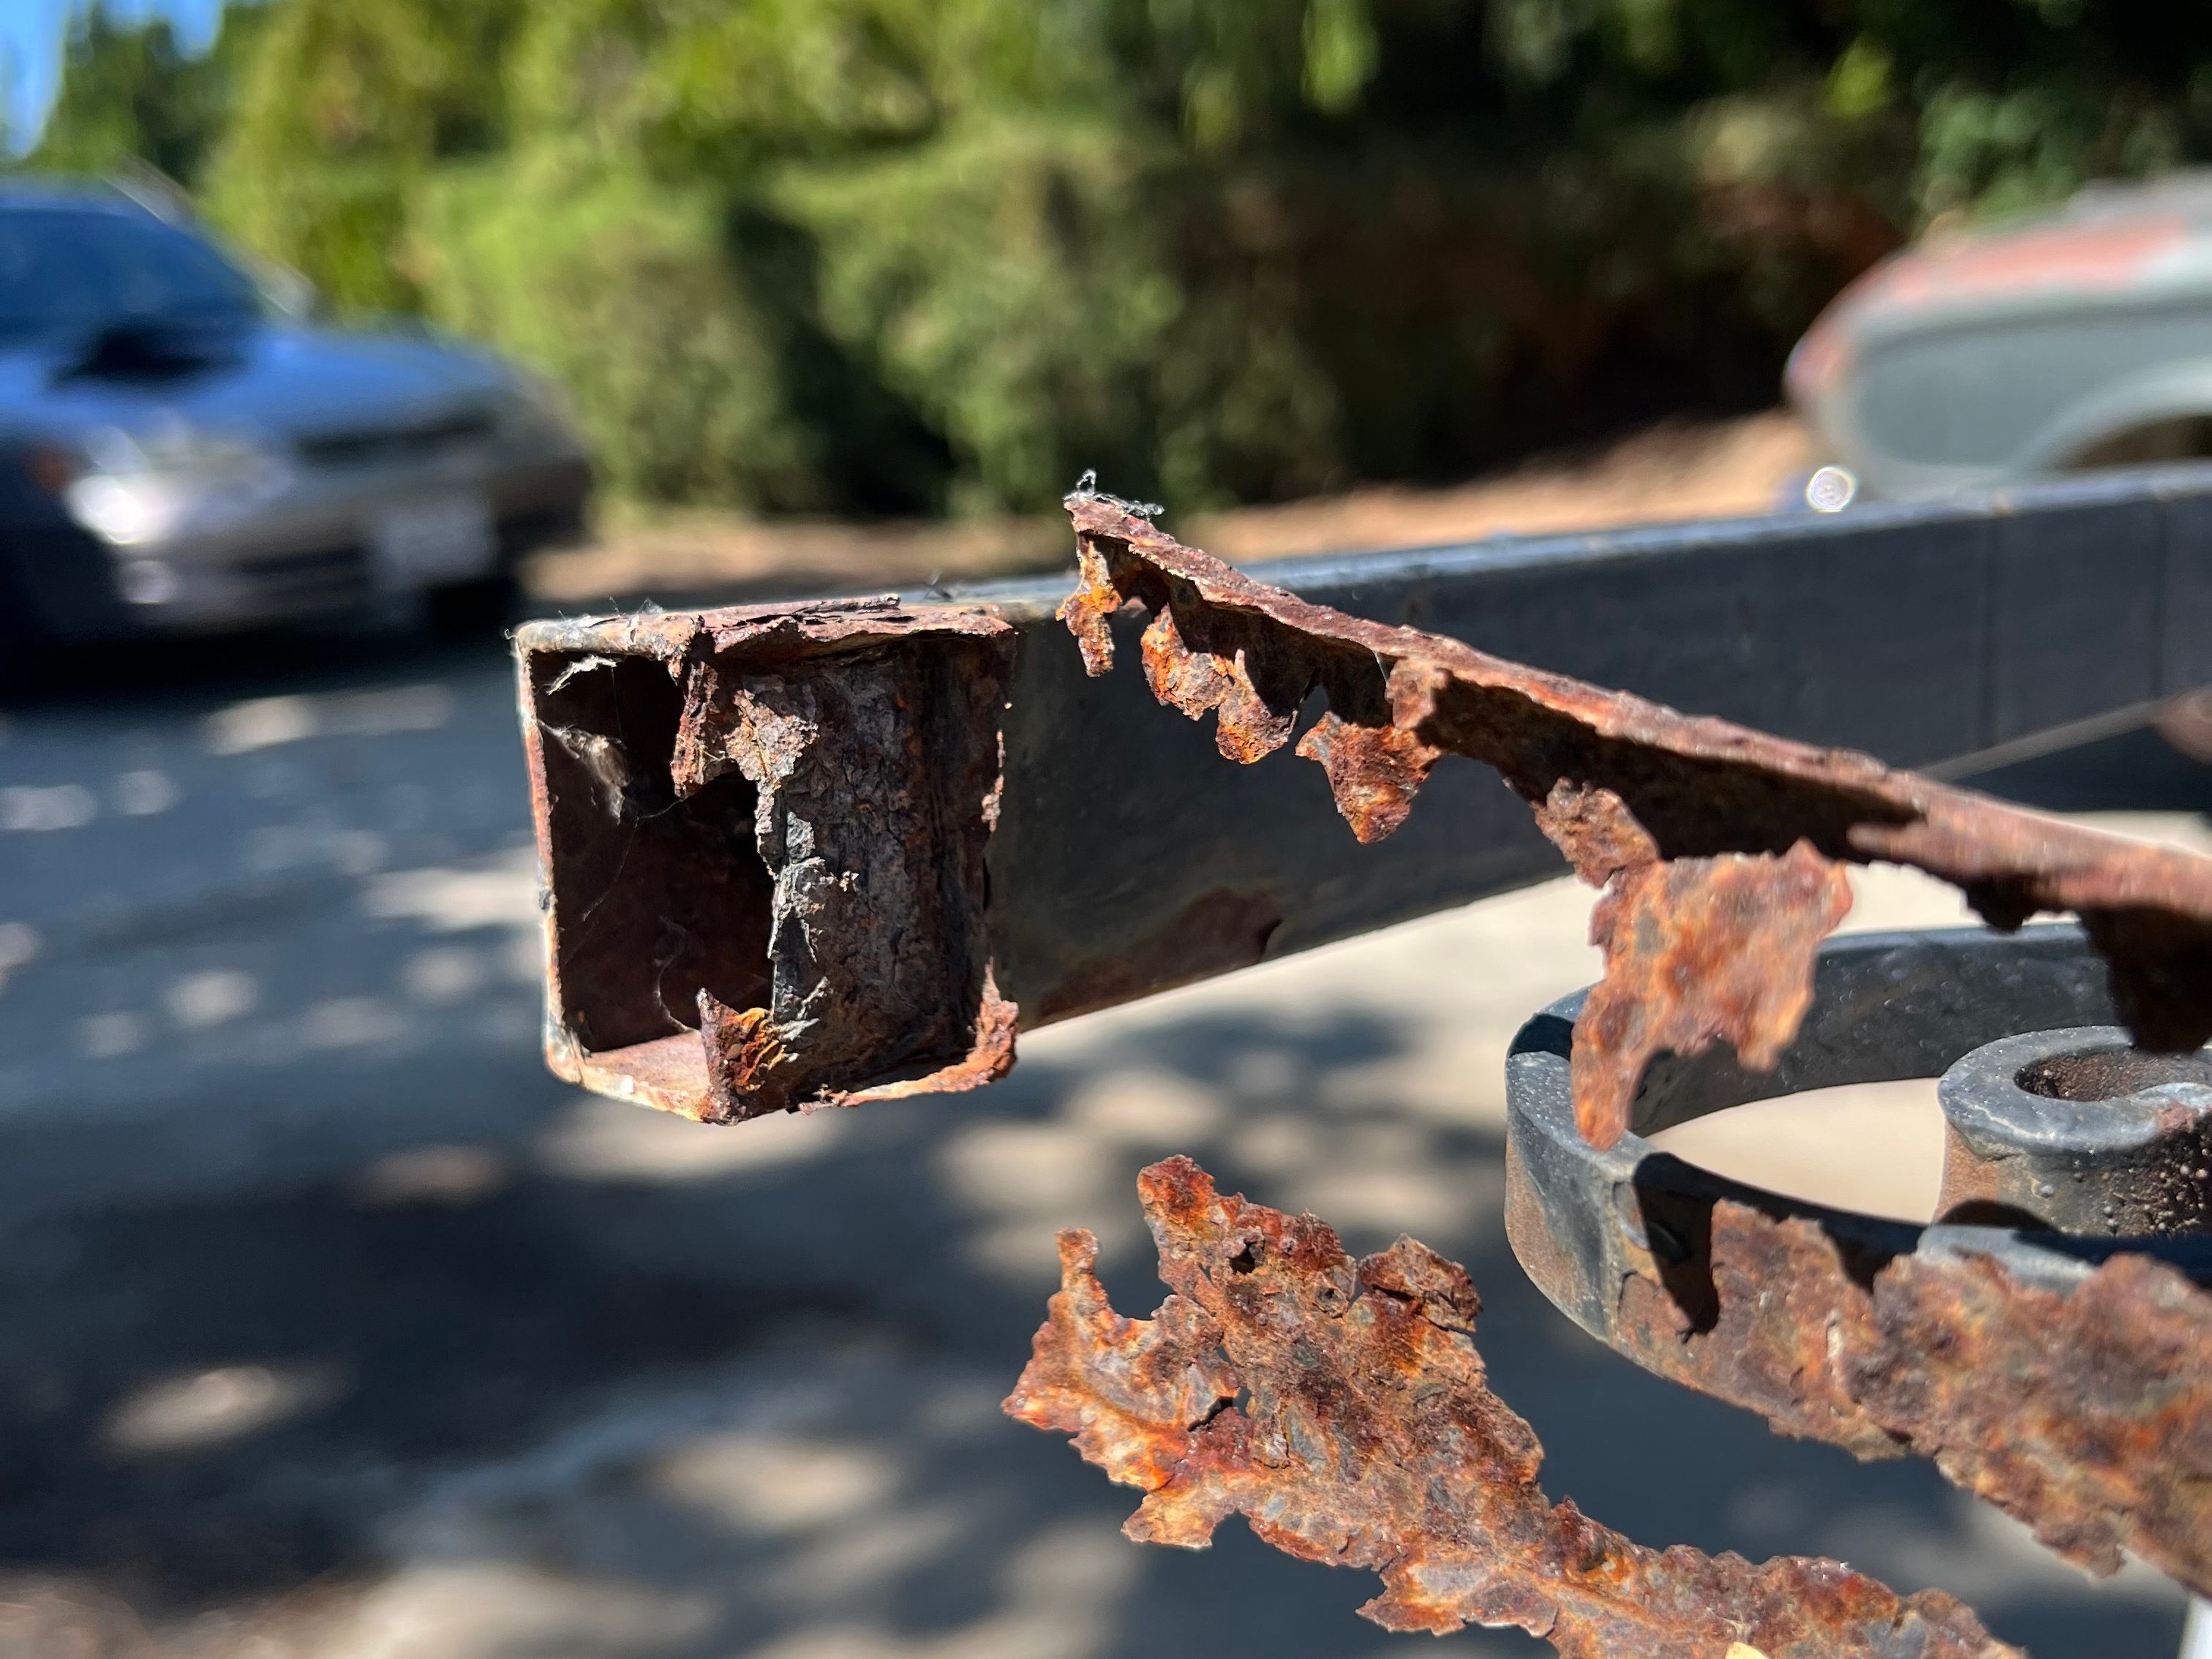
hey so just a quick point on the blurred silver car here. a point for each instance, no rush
(2076, 339)
(177, 454)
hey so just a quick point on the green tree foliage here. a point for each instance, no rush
(922, 253)
(620, 290)
(128, 94)
(342, 114)
(1016, 282)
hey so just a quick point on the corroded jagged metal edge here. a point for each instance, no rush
(2066, 1380)
(1341, 1407)
(1719, 847)
(2086, 1414)
(877, 789)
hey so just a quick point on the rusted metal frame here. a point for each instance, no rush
(2067, 1379)
(2083, 1404)
(1719, 850)
(1341, 1408)
(1125, 860)
(762, 835)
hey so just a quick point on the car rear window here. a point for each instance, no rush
(64, 272)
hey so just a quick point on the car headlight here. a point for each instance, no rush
(132, 489)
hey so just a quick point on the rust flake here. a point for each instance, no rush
(1697, 952)
(2087, 1414)
(1341, 1407)
(1720, 847)
(1199, 682)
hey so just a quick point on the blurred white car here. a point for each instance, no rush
(2068, 340)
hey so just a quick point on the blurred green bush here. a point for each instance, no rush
(625, 297)
(943, 254)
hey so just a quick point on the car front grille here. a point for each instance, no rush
(332, 578)
(384, 446)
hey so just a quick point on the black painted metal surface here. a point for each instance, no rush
(1129, 858)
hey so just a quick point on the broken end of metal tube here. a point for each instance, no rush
(761, 833)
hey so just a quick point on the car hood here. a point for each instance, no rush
(277, 380)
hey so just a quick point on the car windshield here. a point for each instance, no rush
(67, 272)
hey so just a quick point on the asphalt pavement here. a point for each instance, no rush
(331, 1327)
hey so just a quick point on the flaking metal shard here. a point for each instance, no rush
(1342, 1409)
(1719, 848)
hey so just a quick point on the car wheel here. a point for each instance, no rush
(2186, 723)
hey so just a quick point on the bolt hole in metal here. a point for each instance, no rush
(2077, 1131)
(2108, 1073)
(1881, 1148)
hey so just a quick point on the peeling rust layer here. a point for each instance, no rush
(2087, 1415)
(1753, 1308)
(1718, 845)
(1342, 1409)
(764, 831)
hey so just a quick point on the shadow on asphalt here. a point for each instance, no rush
(481, 1340)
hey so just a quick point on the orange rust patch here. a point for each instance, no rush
(1697, 951)
(1719, 845)
(1342, 1408)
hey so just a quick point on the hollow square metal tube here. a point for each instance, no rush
(1120, 857)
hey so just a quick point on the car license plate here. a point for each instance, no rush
(447, 538)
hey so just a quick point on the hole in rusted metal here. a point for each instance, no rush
(2108, 1073)
(660, 897)
(1678, 1230)
(763, 835)
(1671, 1249)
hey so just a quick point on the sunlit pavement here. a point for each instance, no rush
(331, 1325)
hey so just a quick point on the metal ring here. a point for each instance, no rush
(2061, 1390)
(1886, 1006)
